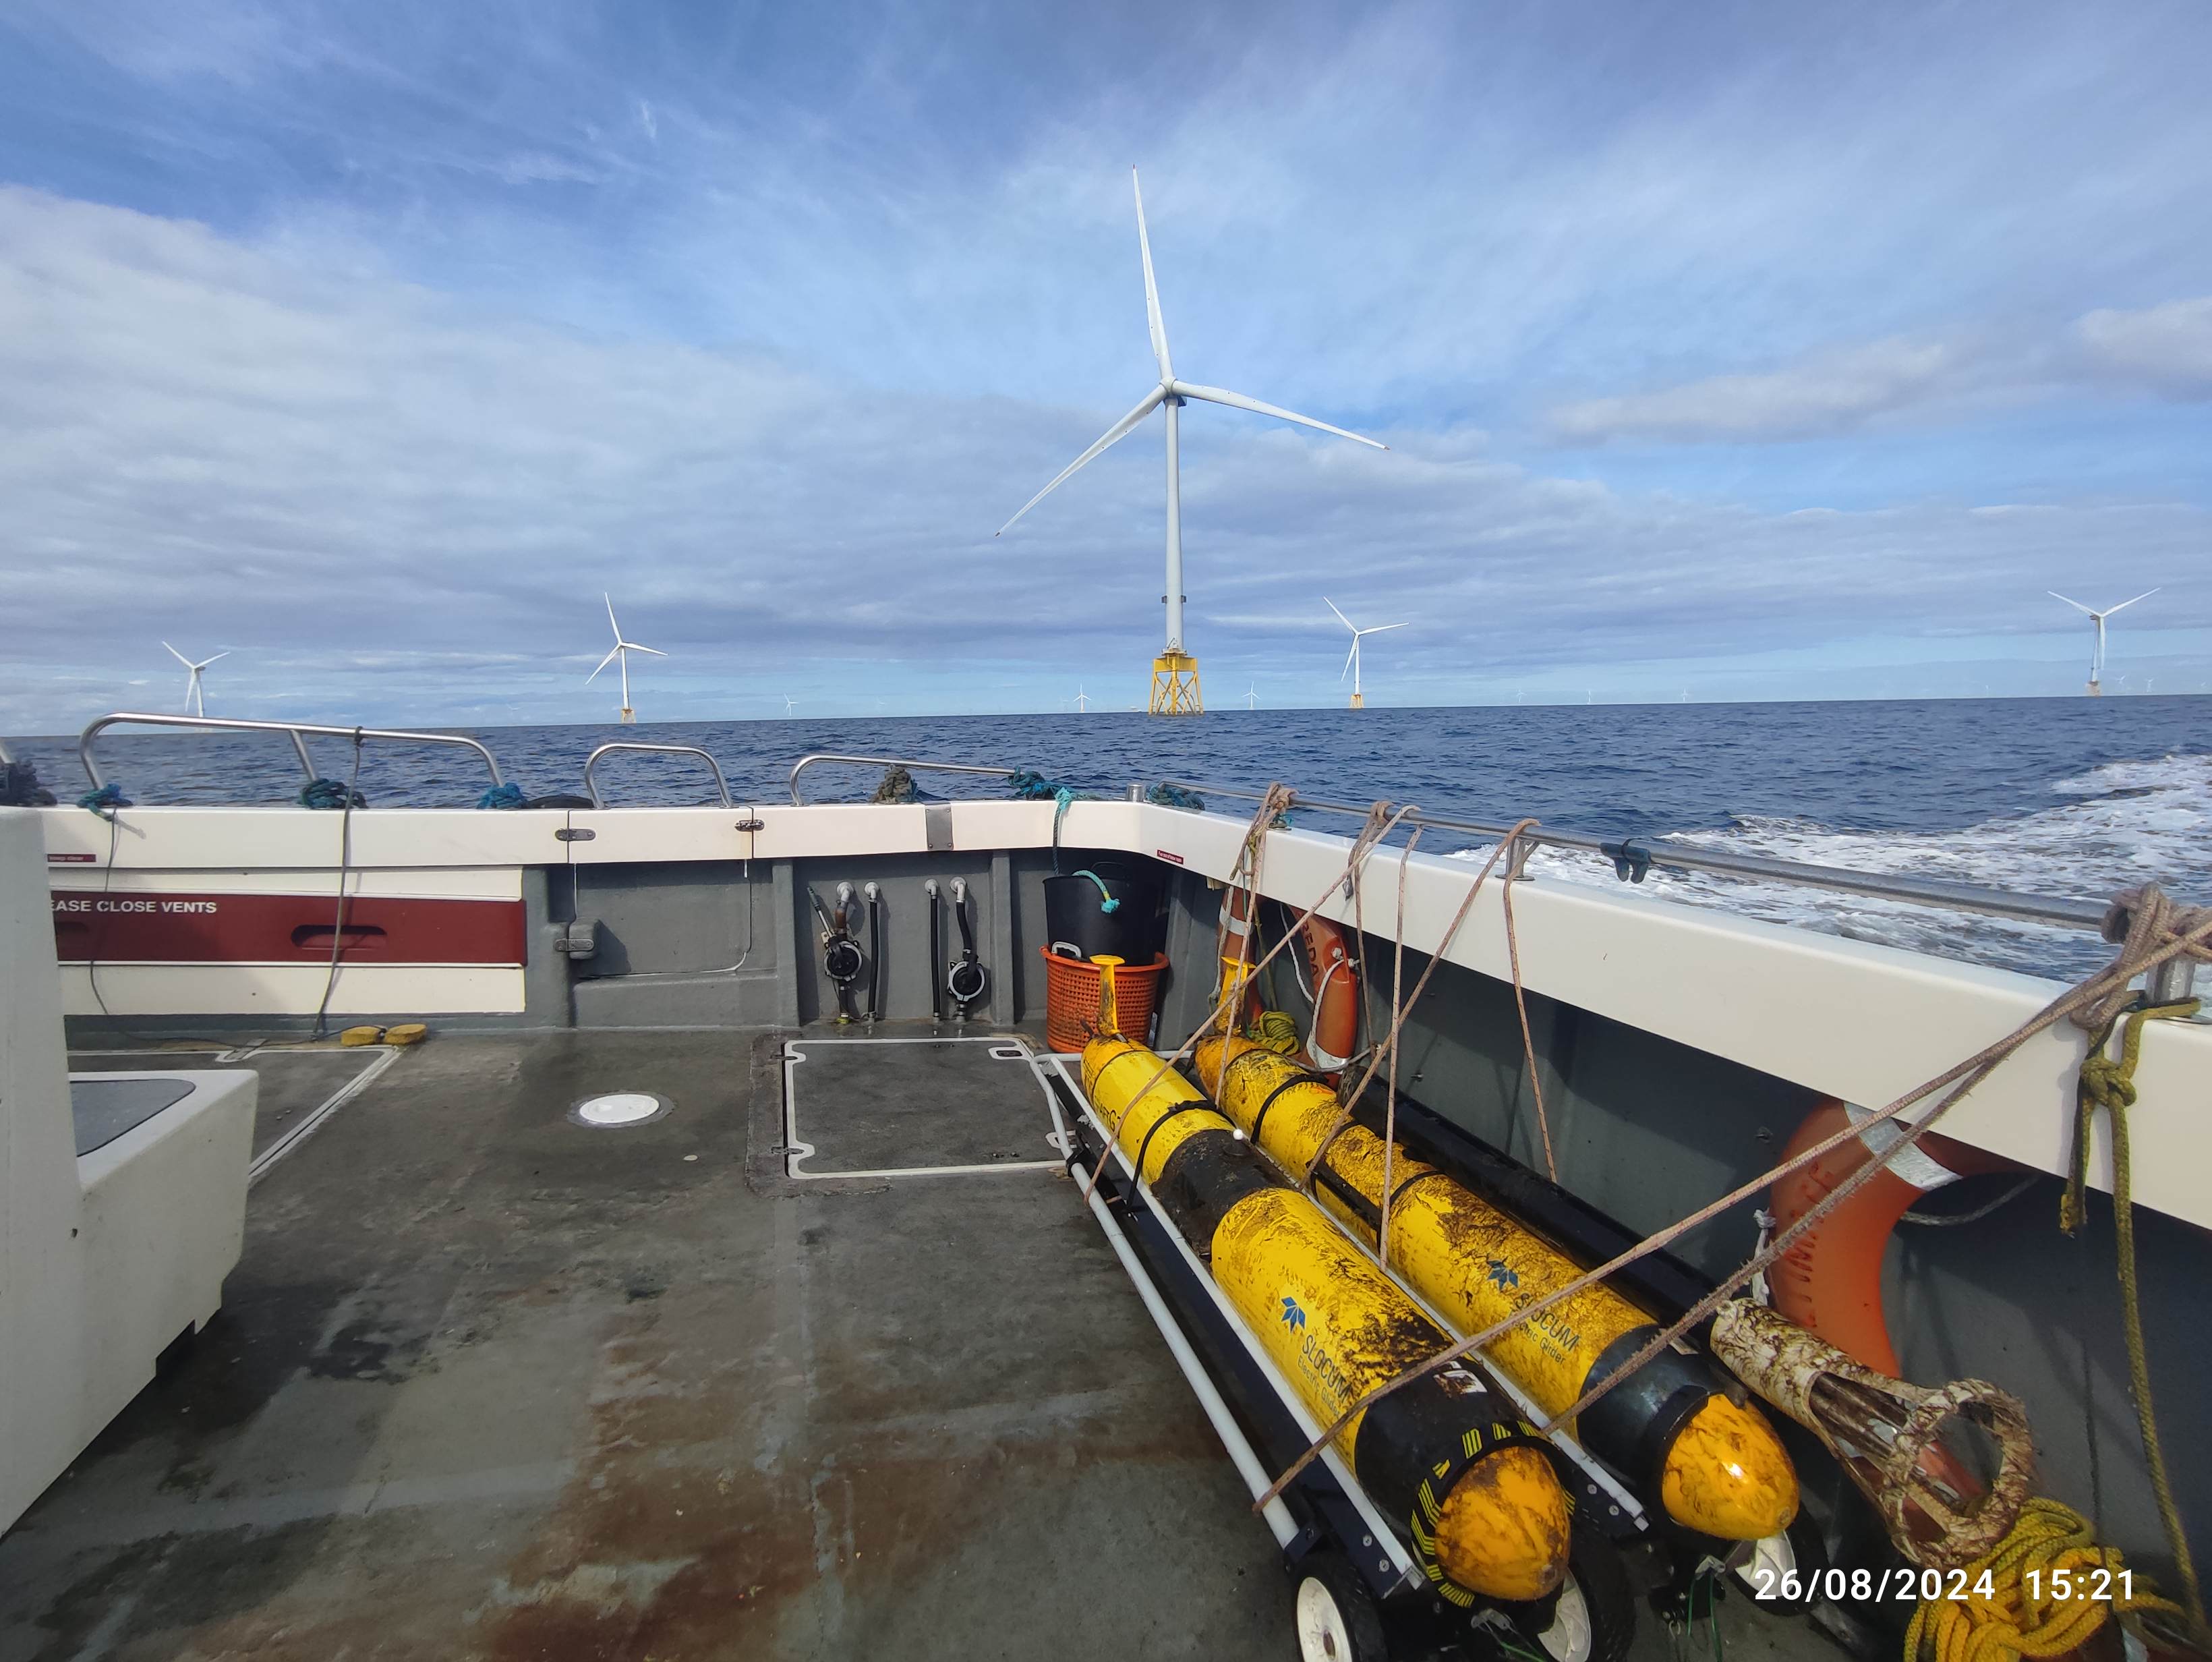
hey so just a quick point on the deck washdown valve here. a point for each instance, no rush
(840, 953)
(966, 977)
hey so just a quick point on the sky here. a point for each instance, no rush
(1727, 351)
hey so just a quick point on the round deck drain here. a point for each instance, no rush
(618, 1110)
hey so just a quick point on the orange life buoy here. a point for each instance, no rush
(1830, 1279)
(1335, 1034)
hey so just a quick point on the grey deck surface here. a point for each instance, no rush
(489, 1384)
(885, 1106)
(293, 1083)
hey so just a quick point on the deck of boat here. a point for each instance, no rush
(489, 1383)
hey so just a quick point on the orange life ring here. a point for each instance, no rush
(1335, 1034)
(1830, 1279)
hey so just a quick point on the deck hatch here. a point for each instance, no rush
(913, 1107)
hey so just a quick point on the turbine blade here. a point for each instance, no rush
(604, 662)
(1114, 434)
(178, 656)
(219, 656)
(2076, 604)
(1382, 629)
(611, 624)
(2145, 595)
(1348, 657)
(635, 647)
(1239, 401)
(1152, 319)
(1341, 617)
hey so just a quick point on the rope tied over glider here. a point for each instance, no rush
(1029, 786)
(2041, 1603)
(104, 801)
(329, 794)
(501, 796)
(2151, 932)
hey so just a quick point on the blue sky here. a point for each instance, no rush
(1752, 352)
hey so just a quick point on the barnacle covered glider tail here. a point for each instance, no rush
(1714, 1463)
(1466, 1481)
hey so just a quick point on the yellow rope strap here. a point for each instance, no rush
(2110, 1084)
(2045, 1589)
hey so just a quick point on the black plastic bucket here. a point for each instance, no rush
(1077, 923)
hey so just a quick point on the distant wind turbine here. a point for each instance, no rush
(1174, 672)
(194, 699)
(1351, 659)
(1252, 695)
(2097, 652)
(1082, 699)
(621, 653)
(790, 705)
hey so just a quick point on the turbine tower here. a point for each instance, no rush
(622, 651)
(195, 700)
(1351, 659)
(1175, 672)
(2097, 652)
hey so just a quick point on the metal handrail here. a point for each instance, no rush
(591, 785)
(1631, 856)
(806, 762)
(296, 731)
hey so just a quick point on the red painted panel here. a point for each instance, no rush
(137, 927)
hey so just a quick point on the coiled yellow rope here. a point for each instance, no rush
(2050, 1551)
(1279, 1031)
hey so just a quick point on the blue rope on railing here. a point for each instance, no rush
(501, 796)
(104, 801)
(1174, 796)
(329, 794)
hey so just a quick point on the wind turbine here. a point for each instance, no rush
(790, 705)
(1082, 699)
(195, 700)
(1252, 695)
(622, 651)
(1351, 659)
(2097, 653)
(1175, 672)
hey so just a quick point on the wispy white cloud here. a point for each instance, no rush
(2166, 347)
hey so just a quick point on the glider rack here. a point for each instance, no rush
(1324, 1517)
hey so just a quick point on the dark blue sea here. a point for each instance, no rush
(2068, 796)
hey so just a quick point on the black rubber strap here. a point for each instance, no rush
(1302, 1077)
(1398, 1193)
(1153, 1129)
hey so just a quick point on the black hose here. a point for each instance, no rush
(967, 929)
(875, 959)
(936, 957)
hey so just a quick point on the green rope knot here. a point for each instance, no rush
(2108, 1083)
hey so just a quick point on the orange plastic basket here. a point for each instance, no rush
(1071, 999)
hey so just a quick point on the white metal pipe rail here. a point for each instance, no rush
(591, 762)
(296, 731)
(1633, 856)
(806, 762)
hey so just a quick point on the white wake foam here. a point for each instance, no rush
(2118, 825)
